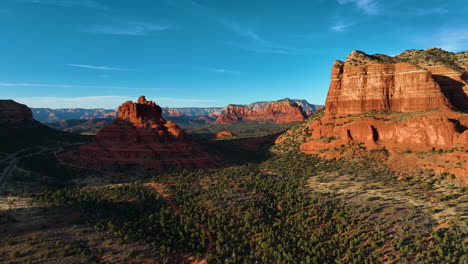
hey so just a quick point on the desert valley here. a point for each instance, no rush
(378, 174)
(250, 132)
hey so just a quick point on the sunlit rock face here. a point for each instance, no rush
(282, 111)
(140, 135)
(411, 102)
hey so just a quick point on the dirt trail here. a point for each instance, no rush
(159, 188)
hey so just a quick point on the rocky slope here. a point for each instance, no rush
(18, 129)
(282, 111)
(400, 104)
(13, 113)
(140, 135)
(191, 111)
(80, 126)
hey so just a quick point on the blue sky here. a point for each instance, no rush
(99, 53)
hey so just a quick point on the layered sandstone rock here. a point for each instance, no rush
(13, 113)
(140, 135)
(282, 111)
(402, 103)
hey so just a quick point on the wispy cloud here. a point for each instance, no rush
(71, 86)
(340, 26)
(70, 3)
(107, 102)
(224, 71)
(453, 39)
(97, 67)
(370, 7)
(129, 28)
(256, 43)
(429, 11)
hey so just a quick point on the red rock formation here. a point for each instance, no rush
(400, 87)
(224, 134)
(172, 112)
(386, 102)
(440, 130)
(234, 113)
(453, 83)
(140, 135)
(282, 111)
(13, 113)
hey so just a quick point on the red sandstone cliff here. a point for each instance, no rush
(282, 111)
(402, 103)
(140, 135)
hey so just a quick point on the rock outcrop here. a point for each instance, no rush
(224, 134)
(401, 104)
(13, 113)
(140, 135)
(282, 111)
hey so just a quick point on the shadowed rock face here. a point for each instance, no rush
(13, 113)
(282, 111)
(140, 135)
(388, 102)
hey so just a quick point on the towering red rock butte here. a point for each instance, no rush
(414, 101)
(140, 135)
(13, 113)
(282, 111)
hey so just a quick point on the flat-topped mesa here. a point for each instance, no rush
(372, 85)
(415, 80)
(13, 113)
(401, 103)
(284, 111)
(281, 111)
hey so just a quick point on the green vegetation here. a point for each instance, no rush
(422, 58)
(296, 135)
(132, 211)
(263, 213)
(241, 129)
(44, 169)
(266, 207)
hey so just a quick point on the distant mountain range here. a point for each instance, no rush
(48, 115)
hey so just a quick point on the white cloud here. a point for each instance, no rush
(368, 6)
(107, 102)
(256, 43)
(129, 28)
(340, 26)
(97, 67)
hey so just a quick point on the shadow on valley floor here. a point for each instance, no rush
(243, 150)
